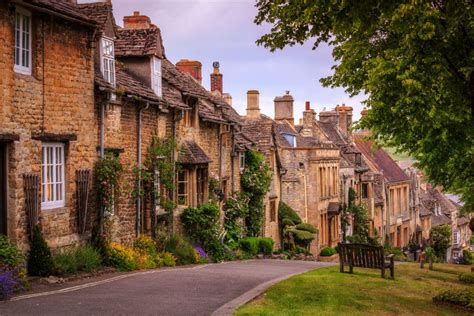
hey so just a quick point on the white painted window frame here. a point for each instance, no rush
(242, 161)
(55, 202)
(156, 76)
(107, 61)
(20, 68)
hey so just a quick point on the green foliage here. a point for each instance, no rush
(107, 173)
(255, 180)
(265, 245)
(84, 258)
(286, 212)
(159, 158)
(250, 245)
(235, 212)
(202, 226)
(467, 257)
(287, 222)
(181, 249)
(464, 298)
(327, 252)
(307, 227)
(413, 61)
(122, 257)
(167, 259)
(40, 260)
(302, 237)
(440, 239)
(145, 244)
(10, 255)
(467, 277)
(360, 221)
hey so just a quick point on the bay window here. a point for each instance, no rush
(52, 176)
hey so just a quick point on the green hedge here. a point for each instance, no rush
(464, 297)
(467, 277)
(286, 212)
(256, 245)
(327, 252)
(307, 227)
(265, 246)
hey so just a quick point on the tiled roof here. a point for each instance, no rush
(66, 8)
(381, 159)
(191, 153)
(139, 42)
(284, 127)
(439, 220)
(173, 96)
(430, 199)
(133, 86)
(333, 133)
(463, 221)
(260, 130)
(100, 81)
(207, 112)
(97, 11)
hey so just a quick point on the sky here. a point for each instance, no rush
(223, 31)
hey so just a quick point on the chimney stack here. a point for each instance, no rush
(253, 104)
(308, 120)
(216, 80)
(345, 120)
(228, 98)
(192, 67)
(136, 21)
(284, 108)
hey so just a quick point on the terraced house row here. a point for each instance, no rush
(75, 87)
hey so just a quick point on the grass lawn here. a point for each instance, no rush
(328, 292)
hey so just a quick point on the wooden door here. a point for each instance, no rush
(3, 189)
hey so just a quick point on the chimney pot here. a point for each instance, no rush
(253, 104)
(136, 21)
(217, 82)
(136, 13)
(308, 106)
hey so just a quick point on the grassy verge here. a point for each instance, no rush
(329, 292)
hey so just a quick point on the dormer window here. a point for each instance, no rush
(22, 42)
(156, 76)
(291, 139)
(108, 60)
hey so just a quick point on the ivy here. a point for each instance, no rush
(255, 182)
(360, 221)
(236, 210)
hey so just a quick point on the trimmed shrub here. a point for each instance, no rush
(250, 245)
(40, 260)
(265, 246)
(301, 236)
(307, 227)
(287, 222)
(284, 211)
(181, 249)
(464, 298)
(467, 277)
(327, 252)
(467, 257)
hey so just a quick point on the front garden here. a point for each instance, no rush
(445, 290)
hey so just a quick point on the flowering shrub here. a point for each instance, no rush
(181, 249)
(122, 257)
(167, 259)
(12, 269)
(145, 244)
(8, 283)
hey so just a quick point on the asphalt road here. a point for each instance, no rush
(199, 290)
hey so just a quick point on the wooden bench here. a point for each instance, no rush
(365, 256)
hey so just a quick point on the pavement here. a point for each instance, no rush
(213, 289)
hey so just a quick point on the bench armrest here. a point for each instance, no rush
(390, 256)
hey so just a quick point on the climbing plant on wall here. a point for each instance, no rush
(360, 220)
(107, 175)
(255, 182)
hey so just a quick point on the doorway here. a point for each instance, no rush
(3, 189)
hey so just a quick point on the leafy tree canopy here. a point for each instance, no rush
(414, 60)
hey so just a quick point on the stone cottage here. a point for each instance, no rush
(48, 123)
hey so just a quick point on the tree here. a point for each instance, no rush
(414, 60)
(440, 239)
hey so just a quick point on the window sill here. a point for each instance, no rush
(22, 70)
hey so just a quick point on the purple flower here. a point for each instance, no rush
(202, 252)
(9, 282)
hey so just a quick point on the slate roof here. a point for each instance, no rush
(100, 81)
(191, 153)
(381, 159)
(284, 127)
(63, 7)
(430, 199)
(97, 11)
(133, 86)
(333, 133)
(139, 42)
(261, 131)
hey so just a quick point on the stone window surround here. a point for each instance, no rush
(19, 68)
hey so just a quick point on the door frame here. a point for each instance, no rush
(3, 189)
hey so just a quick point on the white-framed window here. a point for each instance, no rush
(156, 76)
(457, 237)
(22, 41)
(52, 176)
(242, 160)
(107, 60)
(290, 138)
(183, 193)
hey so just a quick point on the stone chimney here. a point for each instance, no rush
(329, 117)
(345, 120)
(308, 120)
(227, 98)
(192, 67)
(284, 108)
(253, 104)
(216, 79)
(136, 21)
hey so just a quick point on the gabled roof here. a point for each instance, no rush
(333, 133)
(97, 11)
(261, 131)
(191, 153)
(133, 86)
(380, 159)
(284, 127)
(432, 198)
(139, 42)
(65, 8)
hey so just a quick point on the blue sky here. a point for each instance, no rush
(223, 30)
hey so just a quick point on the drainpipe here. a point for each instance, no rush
(305, 199)
(102, 128)
(232, 160)
(175, 118)
(139, 162)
